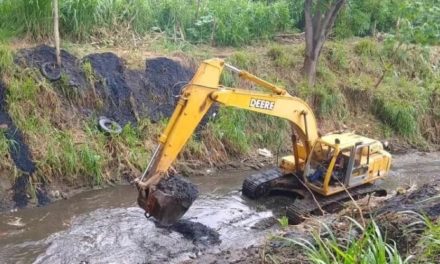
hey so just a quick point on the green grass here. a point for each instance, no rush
(283, 221)
(431, 241)
(30, 16)
(370, 246)
(240, 131)
(6, 59)
(401, 117)
(366, 47)
(230, 22)
(4, 143)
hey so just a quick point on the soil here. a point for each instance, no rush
(180, 188)
(19, 152)
(36, 57)
(130, 94)
(198, 233)
(425, 200)
(127, 94)
(113, 87)
(166, 79)
(396, 217)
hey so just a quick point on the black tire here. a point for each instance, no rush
(51, 71)
(109, 126)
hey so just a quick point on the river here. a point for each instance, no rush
(106, 226)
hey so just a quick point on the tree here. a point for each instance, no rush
(56, 32)
(418, 22)
(320, 16)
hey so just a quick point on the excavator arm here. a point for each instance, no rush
(196, 99)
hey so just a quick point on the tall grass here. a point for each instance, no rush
(6, 59)
(370, 246)
(26, 16)
(229, 22)
(4, 144)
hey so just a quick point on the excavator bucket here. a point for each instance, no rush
(169, 200)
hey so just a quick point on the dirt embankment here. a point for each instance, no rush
(20, 155)
(127, 94)
(107, 88)
(399, 218)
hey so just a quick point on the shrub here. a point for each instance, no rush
(366, 47)
(398, 115)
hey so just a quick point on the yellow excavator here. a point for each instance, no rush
(321, 171)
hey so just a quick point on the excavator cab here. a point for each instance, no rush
(345, 163)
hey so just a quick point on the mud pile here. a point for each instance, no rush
(126, 94)
(179, 188)
(18, 150)
(165, 78)
(398, 215)
(112, 88)
(196, 232)
(40, 55)
(170, 200)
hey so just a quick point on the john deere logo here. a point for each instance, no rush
(262, 104)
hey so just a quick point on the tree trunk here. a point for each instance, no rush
(56, 32)
(310, 65)
(318, 25)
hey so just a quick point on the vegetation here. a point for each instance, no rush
(370, 246)
(360, 245)
(430, 242)
(229, 22)
(389, 79)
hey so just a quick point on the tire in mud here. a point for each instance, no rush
(51, 71)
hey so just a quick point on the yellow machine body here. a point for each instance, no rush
(312, 155)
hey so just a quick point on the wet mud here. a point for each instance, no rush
(180, 188)
(196, 232)
(124, 235)
(43, 54)
(397, 216)
(19, 152)
(127, 94)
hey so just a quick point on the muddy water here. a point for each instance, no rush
(105, 226)
(413, 169)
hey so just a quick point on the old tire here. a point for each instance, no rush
(51, 71)
(109, 126)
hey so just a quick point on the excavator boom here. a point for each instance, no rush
(195, 100)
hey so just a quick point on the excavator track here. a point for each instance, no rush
(259, 185)
(302, 208)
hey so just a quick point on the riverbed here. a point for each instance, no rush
(106, 226)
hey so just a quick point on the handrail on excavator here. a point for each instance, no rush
(252, 78)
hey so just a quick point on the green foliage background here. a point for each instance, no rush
(228, 22)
